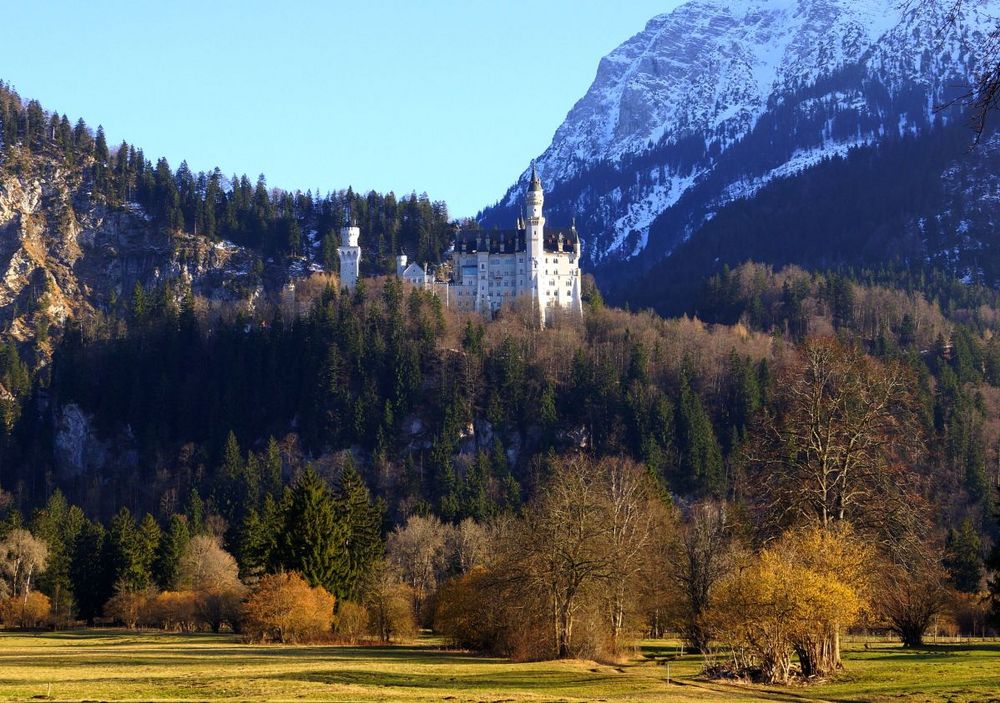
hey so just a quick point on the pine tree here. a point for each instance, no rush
(140, 304)
(475, 495)
(131, 550)
(194, 511)
(364, 546)
(149, 537)
(271, 483)
(58, 524)
(314, 534)
(231, 492)
(91, 570)
(252, 554)
(701, 456)
(963, 558)
(172, 546)
(260, 536)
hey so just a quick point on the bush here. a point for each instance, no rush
(27, 611)
(791, 597)
(284, 608)
(172, 610)
(213, 609)
(390, 608)
(468, 614)
(351, 622)
(128, 606)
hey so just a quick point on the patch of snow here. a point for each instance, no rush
(798, 162)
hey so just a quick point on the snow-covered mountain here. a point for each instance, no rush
(716, 99)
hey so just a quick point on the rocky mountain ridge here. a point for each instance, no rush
(64, 254)
(716, 99)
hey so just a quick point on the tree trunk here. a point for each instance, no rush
(564, 630)
(776, 669)
(821, 656)
(618, 618)
(697, 640)
(912, 635)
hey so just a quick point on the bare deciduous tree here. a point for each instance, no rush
(839, 450)
(389, 602)
(213, 574)
(22, 557)
(583, 546)
(910, 592)
(697, 559)
(205, 566)
(468, 543)
(418, 552)
(637, 520)
(840, 445)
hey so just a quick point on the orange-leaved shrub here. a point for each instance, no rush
(28, 611)
(173, 610)
(284, 608)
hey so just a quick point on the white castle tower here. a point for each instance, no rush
(350, 253)
(534, 234)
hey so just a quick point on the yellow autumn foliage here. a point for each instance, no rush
(790, 597)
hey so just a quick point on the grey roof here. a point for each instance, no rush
(413, 270)
(536, 182)
(510, 241)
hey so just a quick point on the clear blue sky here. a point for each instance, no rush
(451, 97)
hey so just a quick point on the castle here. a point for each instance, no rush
(492, 268)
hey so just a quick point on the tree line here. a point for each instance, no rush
(270, 221)
(820, 532)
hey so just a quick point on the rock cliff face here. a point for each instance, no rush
(65, 255)
(714, 100)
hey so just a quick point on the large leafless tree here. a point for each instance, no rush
(583, 547)
(697, 559)
(22, 558)
(839, 449)
(841, 444)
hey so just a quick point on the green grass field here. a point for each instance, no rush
(122, 666)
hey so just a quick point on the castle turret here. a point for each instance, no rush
(535, 197)
(350, 253)
(535, 236)
(401, 262)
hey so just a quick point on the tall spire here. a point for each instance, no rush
(536, 182)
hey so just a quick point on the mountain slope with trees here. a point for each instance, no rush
(85, 224)
(708, 137)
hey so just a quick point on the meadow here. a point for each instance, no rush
(153, 666)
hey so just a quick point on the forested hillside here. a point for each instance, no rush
(186, 387)
(85, 222)
(918, 206)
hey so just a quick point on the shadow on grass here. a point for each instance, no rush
(928, 652)
(528, 681)
(221, 651)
